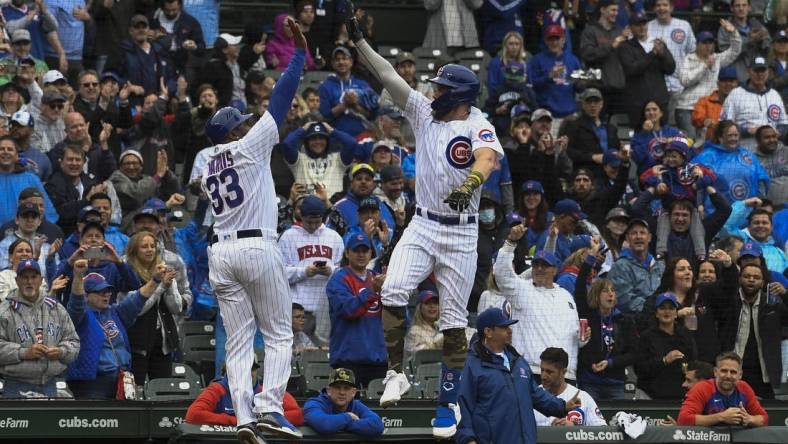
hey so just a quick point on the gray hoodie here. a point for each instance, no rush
(19, 320)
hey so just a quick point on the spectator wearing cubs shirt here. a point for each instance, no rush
(553, 366)
(726, 399)
(755, 104)
(357, 341)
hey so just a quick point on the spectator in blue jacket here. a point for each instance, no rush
(498, 392)
(137, 60)
(336, 410)
(356, 340)
(101, 327)
(735, 164)
(562, 232)
(550, 74)
(635, 274)
(370, 223)
(183, 32)
(349, 103)
(758, 231)
(507, 72)
(495, 19)
(14, 178)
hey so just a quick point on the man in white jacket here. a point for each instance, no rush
(311, 252)
(699, 72)
(547, 311)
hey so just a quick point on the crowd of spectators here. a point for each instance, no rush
(669, 243)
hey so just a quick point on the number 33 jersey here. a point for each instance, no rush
(237, 179)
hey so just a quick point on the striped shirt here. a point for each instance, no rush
(71, 30)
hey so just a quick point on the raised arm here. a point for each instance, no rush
(379, 67)
(285, 89)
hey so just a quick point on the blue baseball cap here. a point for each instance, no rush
(611, 158)
(580, 241)
(679, 145)
(95, 283)
(369, 202)
(156, 204)
(492, 317)
(705, 37)
(316, 129)
(391, 112)
(667, 296)
(751, 249)
(358, 240)
(727, 73)
(569, 207)
(532, 185)
(519, 109)
(312, 206)
(152, 212)
(28, 264)
(427, 295)
(546, 257)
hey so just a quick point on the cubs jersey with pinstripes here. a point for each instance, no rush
(444, 152)
(237, 178)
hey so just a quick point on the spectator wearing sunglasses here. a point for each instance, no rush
(49, 127)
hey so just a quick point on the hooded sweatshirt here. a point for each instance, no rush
(24, 323)
(333, 89)
(282, 47)
(740, 168)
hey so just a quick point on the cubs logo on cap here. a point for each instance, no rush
(28, 264)
(532, 185)
(459, 152)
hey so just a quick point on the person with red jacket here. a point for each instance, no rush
(214, 406)
(726, 399)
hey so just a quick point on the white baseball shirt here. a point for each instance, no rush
(445, 152)
(749, 109)
(680, 41)
(301, 248)
(591, 414)
(240, 171)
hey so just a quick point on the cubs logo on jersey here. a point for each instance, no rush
(739, 189)
(487, 135)
(576, 416)
(678, 35)
(459, 152)
(774, 113)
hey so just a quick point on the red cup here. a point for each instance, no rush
(583, 327)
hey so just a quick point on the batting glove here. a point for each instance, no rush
(460, 198)
(354, 29)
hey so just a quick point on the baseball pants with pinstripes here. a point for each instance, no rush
(449, 251)
(249, 280)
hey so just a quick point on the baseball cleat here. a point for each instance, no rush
(396, 385)
(444, 425)
(277, 424)
(247, 434)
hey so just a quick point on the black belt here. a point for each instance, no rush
(445, 220)
(240, 234)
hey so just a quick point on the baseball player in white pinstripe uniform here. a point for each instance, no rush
(456, 150)
(246, 268)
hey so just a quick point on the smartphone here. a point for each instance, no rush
(320, 264)
(94, 253)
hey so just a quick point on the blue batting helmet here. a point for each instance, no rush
(224, 121)
(462, 84)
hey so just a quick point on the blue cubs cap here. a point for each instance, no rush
(751, 249)
(370, 202)
(546, 257)
(667, 296)
(95, 283)
(358, 240)
(519, 109)
(492, 317)
(727, 73)
(427, 295)
(28, 264)
(580, 241)
(611, 158)
(152, 212)
(156, 204)
(679, 145)
(705, 37)
(316, 130)
(532, 185)
(513, 219)
(569, 207)
(312, 206)
(111, 75)
(638, 18)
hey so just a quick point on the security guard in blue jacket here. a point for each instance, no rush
(498, 392)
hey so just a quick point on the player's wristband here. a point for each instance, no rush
(474, 180)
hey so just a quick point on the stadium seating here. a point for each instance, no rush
(183, 371)
(170, 389)
(200, 352)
